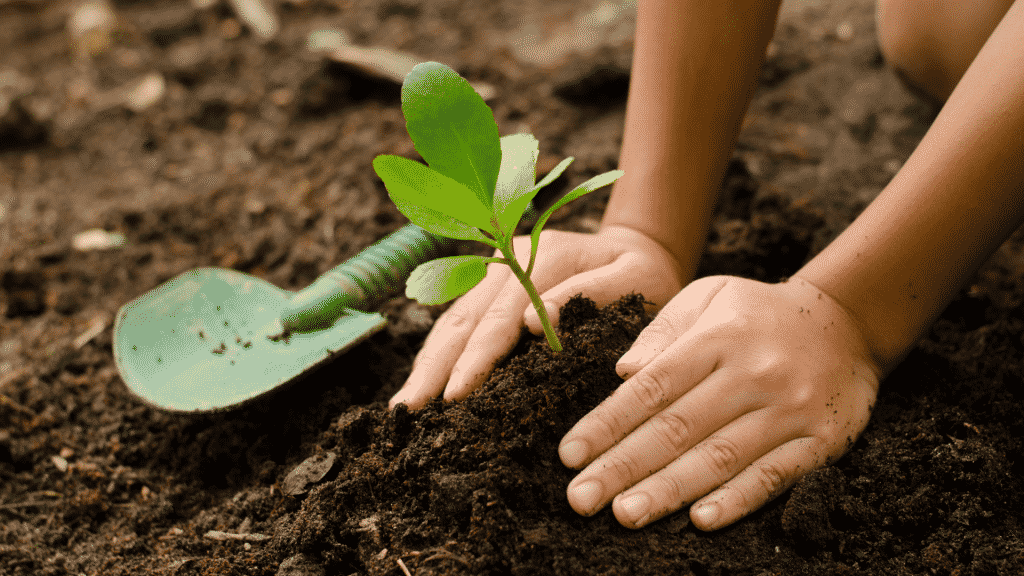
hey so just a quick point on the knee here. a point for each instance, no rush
(906, 43)
(931, 44)
(894, 32)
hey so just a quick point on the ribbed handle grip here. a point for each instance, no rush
(364, 281)
(369, 278)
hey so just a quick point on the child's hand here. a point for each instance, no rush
(737, 388)
(484, 325)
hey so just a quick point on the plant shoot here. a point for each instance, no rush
(476, 185)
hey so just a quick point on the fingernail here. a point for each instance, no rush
(633, 356)
(587, 496)
(573, 453)
(454, 387)
(397, 399)
(706, 515)
(635, 508)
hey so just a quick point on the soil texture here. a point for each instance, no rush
(179, 138)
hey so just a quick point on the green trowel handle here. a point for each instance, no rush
(364, 281)
(367, 279)
(371, 277)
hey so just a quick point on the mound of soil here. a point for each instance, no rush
(257, 156)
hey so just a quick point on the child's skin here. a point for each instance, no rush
(738, 388)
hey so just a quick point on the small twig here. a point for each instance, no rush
(96, 327)
(259, 16)
(15, 376)
(444, 554)
(403, 567)
(26, 504)
(13, 507)
(6, 400)
(219, 535)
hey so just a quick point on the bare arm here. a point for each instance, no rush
(738, 388)
(958, 197)
(694, 72)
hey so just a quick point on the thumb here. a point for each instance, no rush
(603, 285)
(532, 319)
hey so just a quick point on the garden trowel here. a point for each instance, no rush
(212, 338)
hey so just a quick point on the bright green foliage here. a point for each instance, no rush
(452, 127)
(439, 204)
(436, 280)
(477, 185)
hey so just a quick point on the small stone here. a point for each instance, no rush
(60, 463)
(844, 31)
(146, 93)
(91, 27)
(97, 239)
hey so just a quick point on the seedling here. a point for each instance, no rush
(477, 186)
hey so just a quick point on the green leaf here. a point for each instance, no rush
(522, 204)
(515, 179)
(437, 223)
(410, 182)
(587, 187)
(452, 128)
(443, 279)
(555, 173)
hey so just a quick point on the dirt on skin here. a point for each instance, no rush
(257, 156)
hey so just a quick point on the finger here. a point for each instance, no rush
(492, 339)
(759, 483)
(573, 275)
(660, 440)
(447, 339)
(604, 284)
(678, 316)
(685, 363)
(498, 330)
(714, 462)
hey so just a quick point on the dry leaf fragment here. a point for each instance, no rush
(308, 473)
(392, 65)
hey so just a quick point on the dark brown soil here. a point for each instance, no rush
(258, 157)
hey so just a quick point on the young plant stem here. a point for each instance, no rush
(531, 290)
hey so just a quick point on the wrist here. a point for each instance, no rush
(883, 348)
(641, 241)
(656, 207)
(858, 341)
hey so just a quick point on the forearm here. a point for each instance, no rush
(694, 70)
(958, 197)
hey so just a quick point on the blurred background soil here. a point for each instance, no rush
(140, 139)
